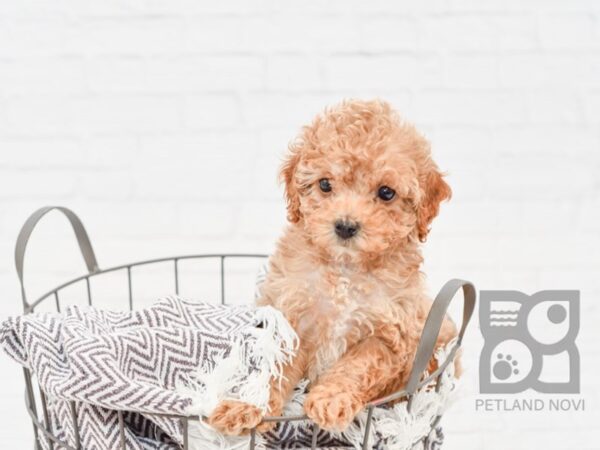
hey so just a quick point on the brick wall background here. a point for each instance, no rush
(162, 124)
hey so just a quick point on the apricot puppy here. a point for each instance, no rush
(362, 190)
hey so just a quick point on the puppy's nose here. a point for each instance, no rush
(346, 228)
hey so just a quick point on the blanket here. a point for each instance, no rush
(180, 357)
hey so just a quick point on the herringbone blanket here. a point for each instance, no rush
(176, 357)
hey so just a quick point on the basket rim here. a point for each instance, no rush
(222, 256)
(31, 306)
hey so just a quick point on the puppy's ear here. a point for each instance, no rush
(287, 176)
(436, 190)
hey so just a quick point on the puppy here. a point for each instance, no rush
(362, 190)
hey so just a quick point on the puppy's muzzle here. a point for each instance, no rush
(346, 229)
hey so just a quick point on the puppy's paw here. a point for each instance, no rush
(331, 408)
(235, 418)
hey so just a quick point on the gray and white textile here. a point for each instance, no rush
(180, 357)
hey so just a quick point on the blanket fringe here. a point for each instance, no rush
(273, 345)
(257, 355)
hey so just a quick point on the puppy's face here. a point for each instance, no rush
(360, 183)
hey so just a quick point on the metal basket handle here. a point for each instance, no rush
(432, 327)
(82, 239)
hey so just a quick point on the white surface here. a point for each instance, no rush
(162, 123)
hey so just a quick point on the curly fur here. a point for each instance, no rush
(358, 305)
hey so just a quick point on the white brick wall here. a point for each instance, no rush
(162, 123)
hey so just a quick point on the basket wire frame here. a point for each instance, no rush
(43, 429)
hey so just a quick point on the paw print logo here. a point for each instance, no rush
(505, 367)
(529, 342)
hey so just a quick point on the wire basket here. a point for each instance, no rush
(42, 425)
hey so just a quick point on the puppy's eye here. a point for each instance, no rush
(325, 185)
(386, 193)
